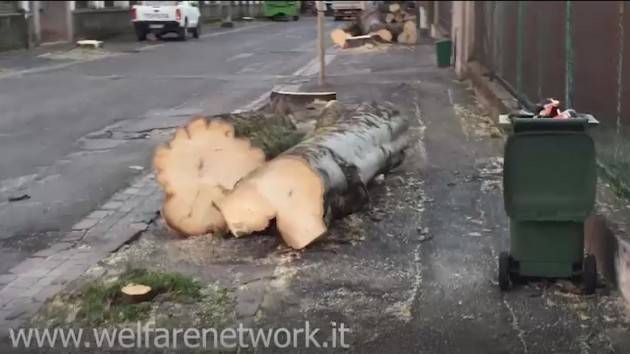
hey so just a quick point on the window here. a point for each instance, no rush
(8, 6)
(81, 4)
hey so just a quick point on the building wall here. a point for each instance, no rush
(89, 19)
(101, 23)
(13, 31)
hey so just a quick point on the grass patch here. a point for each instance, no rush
(103, 302)
(273, 133)
(217, 305)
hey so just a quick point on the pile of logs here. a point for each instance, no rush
(392, 21)
(217, 180)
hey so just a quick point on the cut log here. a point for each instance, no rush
(339, 37)
(135, 293)
(370, 21)
(357, 41)
(408, 17)
(192, 167)
(409, 34)
(395, 29)
(384, 34)
(388, 16)
(323, 177)
(201, 163)
(395, 7)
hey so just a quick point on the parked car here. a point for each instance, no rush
(347, 9)
(161, 17)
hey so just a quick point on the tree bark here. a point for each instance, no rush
(206, 157)
(323, 177)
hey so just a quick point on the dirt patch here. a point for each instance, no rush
(476, 123)
(80, 54)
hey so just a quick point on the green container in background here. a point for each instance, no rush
(443, 51)
(281, 9)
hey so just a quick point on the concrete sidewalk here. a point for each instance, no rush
(416, 272)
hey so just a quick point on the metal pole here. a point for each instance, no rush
(418, 16)
(520, 38)
(320, 40)
(568, 56)
(227, 21)
(37, 28)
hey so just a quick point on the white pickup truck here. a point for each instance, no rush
(345, 9)
(161, 17)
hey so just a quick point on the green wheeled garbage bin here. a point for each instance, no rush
(549, 185)
(443, 51)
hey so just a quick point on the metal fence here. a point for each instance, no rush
(445, 15)
(576, 51)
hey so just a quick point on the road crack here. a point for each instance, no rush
(520, 332)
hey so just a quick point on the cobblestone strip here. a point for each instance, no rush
(28, 284)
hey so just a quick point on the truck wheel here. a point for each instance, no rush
(197, 30)
(296, 17)
(590, 274)
(141, 35)
(183, 31)
(504, 271)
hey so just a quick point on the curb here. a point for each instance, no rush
(492, 95)
(31, 282)
(605, 237)
(604, 230)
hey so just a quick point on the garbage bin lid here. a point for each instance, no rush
(546, 124)
(549, 175)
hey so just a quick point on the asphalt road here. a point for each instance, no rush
(77, 126)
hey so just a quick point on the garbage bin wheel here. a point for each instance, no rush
(589, 277)
(504, 271)
(515, 277)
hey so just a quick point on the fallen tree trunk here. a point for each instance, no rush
(395, 29)
(370, 21)
(206, 157)
(385, 22)
(323, 177)
(339, 35)
(409, 35)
